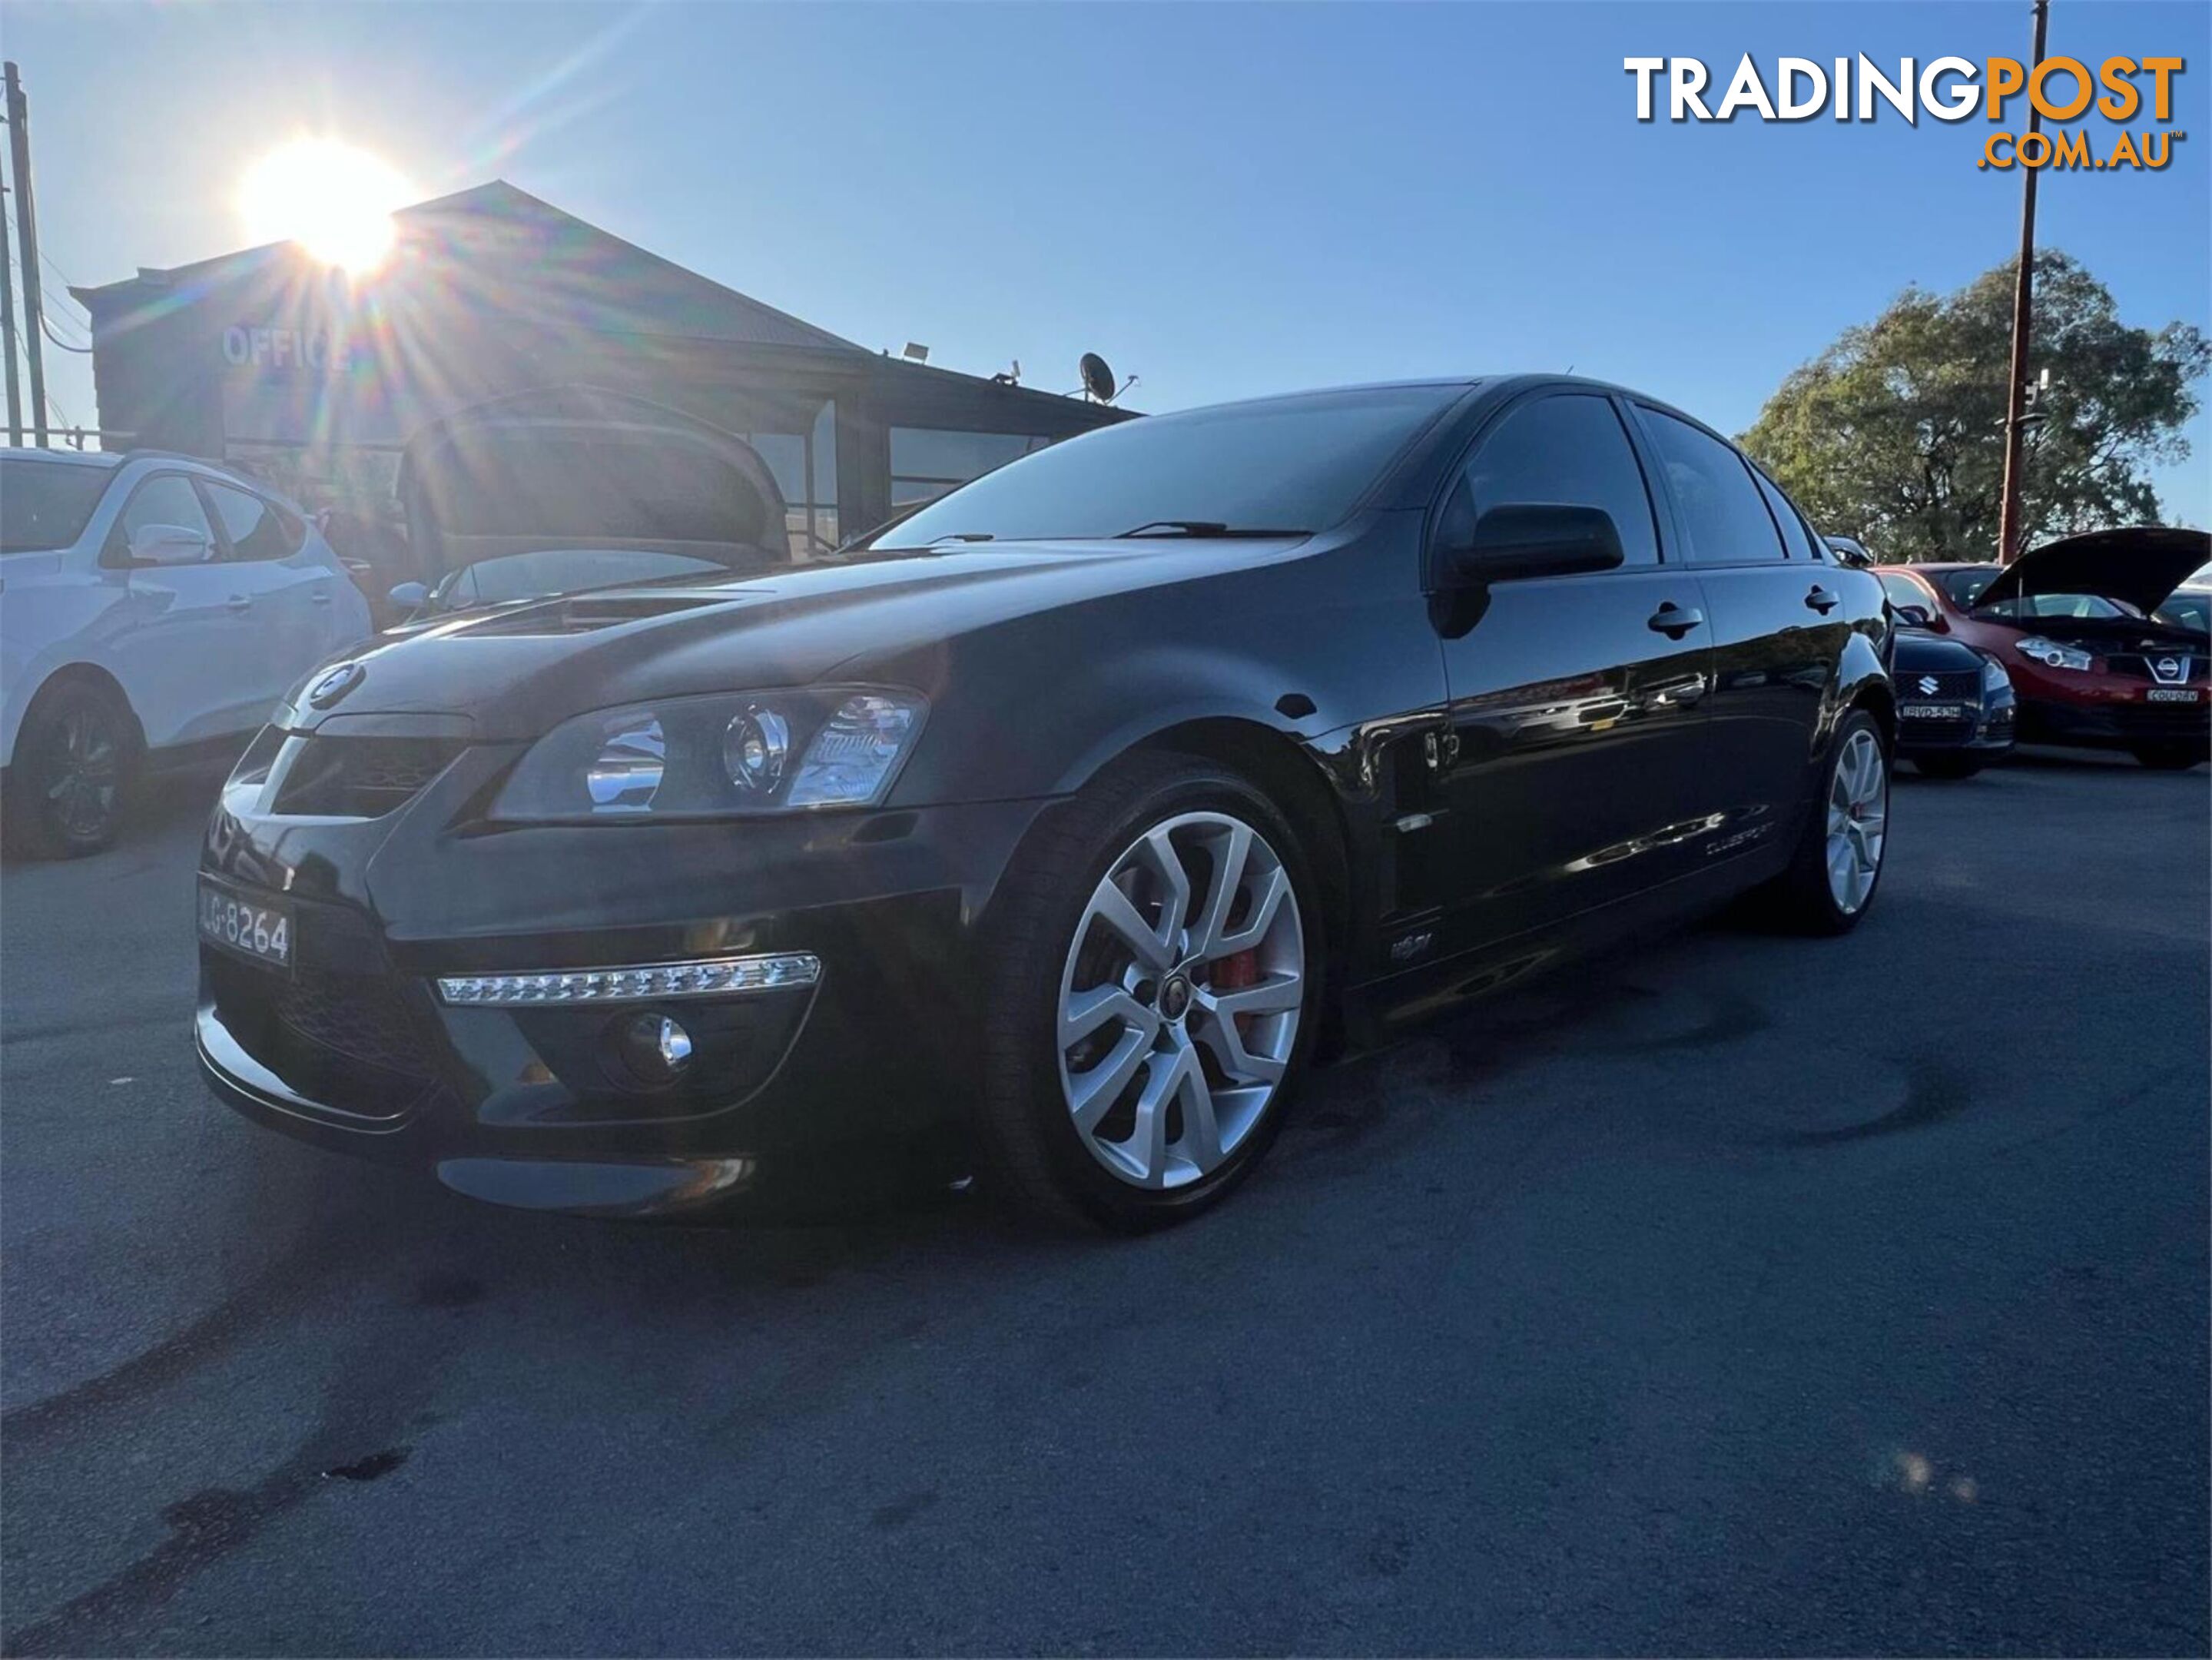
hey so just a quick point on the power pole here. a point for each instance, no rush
(27, 249)
(8, 330)
(2023, 297)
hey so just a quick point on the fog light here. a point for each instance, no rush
(654, 1047)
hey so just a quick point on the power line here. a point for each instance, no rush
(48, 329)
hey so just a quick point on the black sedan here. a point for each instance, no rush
(1955, 708)
(1054, 831)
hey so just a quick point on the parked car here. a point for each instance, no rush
(153, 610)
(2076, 624)
(1955, 707)
(1055, 828)
(2189, 606)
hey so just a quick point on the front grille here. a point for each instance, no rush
(362, 777)
(2139, 665)
(364, 1018)
(354, 1042)
(1951, 686)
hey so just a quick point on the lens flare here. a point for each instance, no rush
(334, 200)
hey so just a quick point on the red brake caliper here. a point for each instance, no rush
(1234, 973)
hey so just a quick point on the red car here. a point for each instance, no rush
(2072, 621)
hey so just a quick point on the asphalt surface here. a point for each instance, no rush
(1744, 1294)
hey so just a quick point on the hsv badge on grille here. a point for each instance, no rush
(336, 684)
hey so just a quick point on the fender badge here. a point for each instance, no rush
(336, 684)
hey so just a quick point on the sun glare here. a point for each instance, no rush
(334, 200)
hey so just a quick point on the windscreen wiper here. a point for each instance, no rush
(1202, 527)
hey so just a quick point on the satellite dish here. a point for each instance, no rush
(1097, 378)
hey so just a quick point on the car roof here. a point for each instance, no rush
(108, 459)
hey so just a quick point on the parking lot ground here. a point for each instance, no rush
(1744, 1294)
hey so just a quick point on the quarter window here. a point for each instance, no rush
(1722, 515)
(1795, 536)
(1570, 450)
(257, 529)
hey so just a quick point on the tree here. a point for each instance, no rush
(1895, 433)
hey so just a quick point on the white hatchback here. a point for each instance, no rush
(153, 610)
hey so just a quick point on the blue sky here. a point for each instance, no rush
(1225, 200)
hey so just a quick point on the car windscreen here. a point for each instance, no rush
(2083, 605)
(1284, 464)
(550, 571)
(1965, 587)
(45, 505)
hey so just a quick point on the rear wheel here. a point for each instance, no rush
(1947, 764)
(76, 762)
(2170, 758)
(1832, 876)
(1153, 988)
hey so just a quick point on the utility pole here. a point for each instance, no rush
(27, 249)
(2023, 297)
(8, 330)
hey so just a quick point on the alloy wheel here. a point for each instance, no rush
(1180, 1000)
(84, 773)
(1858, 816)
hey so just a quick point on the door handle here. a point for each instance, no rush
(1672, 621)
(238, 602)
(321, 595)
(1821, 600)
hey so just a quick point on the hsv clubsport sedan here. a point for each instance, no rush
(1059, 825)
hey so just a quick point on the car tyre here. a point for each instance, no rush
(2170, 758)
(1952, 766)
(1047, 1117)
(1819, 894)
(75, 773)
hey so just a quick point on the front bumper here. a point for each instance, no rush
(1986, 729)
(2114, 723)
(529, 1103)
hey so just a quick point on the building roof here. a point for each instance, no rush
(526, 255)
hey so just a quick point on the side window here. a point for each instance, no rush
(1723, 514)
(257, 529)
(1570, 450)
(167, 499)
(1795, 537)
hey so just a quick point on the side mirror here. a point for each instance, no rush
(1517, 541)
(169, 544)
(1911, 617)
(408, 597)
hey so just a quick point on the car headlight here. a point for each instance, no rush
(1994, 677)
(2052, 655)
(746, 753)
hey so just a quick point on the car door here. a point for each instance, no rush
(179, 646)
(1577, 734)
(288, 595)
(1778, 619)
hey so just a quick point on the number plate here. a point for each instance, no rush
(1933, 712)
(255, 926)
(2174, 695)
